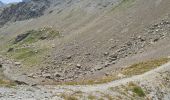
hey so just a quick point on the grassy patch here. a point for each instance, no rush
(105, 79)
(28, 47)
(108, 97)
(7, 83)
(27, 56)
(33, 36)
(68, 97)
(135, 69)
(137, 90)
(91, 97)
(140, 68)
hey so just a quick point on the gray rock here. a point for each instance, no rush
(78, 66)
(17, 63)
(68, 57)
(106, 53)
(47, 75)
(99, 68)
(57, 74)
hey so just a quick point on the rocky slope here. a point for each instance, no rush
(86, 45)
(23, 11)
(136, 87)
(58, 41)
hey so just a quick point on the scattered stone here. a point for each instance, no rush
(36, 51)
(120, 75)
(106, 53)
(157, 30)
(155, 40)
(0, 65)
(47, 75)
(20, 82)
(87, 54)
(78, 66)
(34, 84)
(21, 37)
(68, 57)
(106, 64)
(31, 75)
(53, 45)
(106, 74)
(17, 63)
(57, 74)
(10, 49)
(98, 68)
(169, 57)
(130, 92)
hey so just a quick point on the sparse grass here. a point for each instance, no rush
(105, 79)
(136, 89)
(140, 68)
(68, 97)
(6, 83)
(30, 49)
(91, 97)
(108, 97)
(27, 56)
(40, 34)
(135, 69)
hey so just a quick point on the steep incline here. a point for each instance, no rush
(93, 36)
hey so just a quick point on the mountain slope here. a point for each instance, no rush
(150, 85)
(23, 11)
(95, 37)
(112, 47)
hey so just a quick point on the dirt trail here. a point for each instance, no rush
(90, 88)
(49, 92)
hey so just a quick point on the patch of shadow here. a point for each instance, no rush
(21, 37)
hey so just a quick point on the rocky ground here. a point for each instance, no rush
(119, 89)
(60, 41)
(136, 44)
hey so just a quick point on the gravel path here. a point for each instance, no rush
(23, 92)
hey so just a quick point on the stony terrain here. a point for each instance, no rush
(23, 11)
(53, 42)
(136, 87)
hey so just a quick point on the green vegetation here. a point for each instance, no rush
(33, 36)
(28, 56)
(28, 47)
(136, 89)
(91, 97)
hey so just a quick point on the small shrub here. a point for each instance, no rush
(136, 89)
(91, 97)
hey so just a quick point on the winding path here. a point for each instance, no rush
(49, 92)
